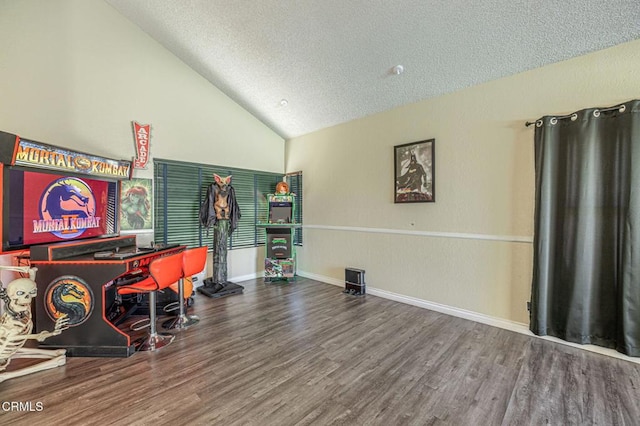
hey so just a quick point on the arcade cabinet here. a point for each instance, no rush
(59, 214)
(280, 259)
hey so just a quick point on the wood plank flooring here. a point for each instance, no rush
(304, 353)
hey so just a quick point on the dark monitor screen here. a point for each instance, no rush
(280, 212)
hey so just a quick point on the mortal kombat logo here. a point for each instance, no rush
(67, 209)
(71, 296)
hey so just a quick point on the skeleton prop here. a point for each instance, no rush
(16, 327)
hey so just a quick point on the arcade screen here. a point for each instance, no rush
(45, 208)
(280, 212)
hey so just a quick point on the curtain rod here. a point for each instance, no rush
(574, 116)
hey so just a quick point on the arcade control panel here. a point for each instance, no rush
(127, 253)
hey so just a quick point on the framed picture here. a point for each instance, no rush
(136, 205)
(414, 172)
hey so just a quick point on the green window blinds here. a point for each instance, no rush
(295, 185)
(180, 188)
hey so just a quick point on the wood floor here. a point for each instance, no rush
(306, 354)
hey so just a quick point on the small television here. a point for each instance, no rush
(280, 212)
(41, 208)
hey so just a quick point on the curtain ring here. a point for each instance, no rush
(574, 116)
(622, 108)
(596, 113)
(553, 120)
(539, 123)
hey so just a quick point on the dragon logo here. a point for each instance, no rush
(70, 202)
(71, 296)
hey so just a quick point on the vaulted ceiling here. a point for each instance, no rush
(303, 65)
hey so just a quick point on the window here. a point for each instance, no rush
(180, 188)
(295, 185)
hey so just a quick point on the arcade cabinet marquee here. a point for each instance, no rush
(51, 194)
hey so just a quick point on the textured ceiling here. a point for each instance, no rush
(332, 60)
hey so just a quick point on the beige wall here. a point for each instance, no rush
(484, 186)
(75, 73)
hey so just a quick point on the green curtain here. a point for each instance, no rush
(586, 276)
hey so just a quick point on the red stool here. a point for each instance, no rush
(164, 271)
(193, 262)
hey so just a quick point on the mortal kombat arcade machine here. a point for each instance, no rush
(59, 211)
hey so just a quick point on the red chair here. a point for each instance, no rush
(164, 271)
(193, 262)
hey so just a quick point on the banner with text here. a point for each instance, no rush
(142, 136)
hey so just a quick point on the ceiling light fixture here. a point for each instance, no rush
(397, 70)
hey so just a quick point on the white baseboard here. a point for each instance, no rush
(450, 310)
(438, 307)
(247, 277)
(321, 278)
(470, 315)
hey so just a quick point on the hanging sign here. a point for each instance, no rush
(142, 136)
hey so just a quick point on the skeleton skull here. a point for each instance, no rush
(21, 291)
